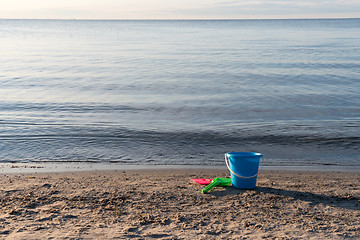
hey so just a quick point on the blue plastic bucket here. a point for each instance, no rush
(244, 168)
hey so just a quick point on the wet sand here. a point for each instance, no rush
(166, 204)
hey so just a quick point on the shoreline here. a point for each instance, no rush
(19, 168)
(166, 204)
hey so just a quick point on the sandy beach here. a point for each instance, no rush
(166, 204)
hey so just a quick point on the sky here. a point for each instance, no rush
(178, 9)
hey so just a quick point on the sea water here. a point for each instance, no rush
(180, 92)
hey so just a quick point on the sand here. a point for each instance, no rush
(165, 204)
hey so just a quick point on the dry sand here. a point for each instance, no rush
(165, 204)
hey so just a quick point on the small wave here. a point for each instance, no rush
(64, 107)
(104, 136)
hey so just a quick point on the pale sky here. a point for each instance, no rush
(178, 9)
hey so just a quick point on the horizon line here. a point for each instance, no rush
(177, 19)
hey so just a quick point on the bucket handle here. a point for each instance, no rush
(261, 167)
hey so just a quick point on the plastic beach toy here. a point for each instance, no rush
(221, 182)
(204, 181)
(244, 168)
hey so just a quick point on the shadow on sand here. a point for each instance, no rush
(347, 202)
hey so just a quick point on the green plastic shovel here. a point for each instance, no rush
(217, 182)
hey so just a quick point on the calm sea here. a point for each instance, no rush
(180, 92)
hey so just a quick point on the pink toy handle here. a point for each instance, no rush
(227, 164)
